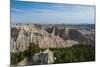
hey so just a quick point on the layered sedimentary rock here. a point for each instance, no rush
(48, 36)
(46, 57)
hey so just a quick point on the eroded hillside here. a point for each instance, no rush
(49, 36)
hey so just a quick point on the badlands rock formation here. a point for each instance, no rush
(48, 36)
(46, 57)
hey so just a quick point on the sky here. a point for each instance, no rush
(51, 13)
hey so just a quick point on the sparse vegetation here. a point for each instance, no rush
(16, 57)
